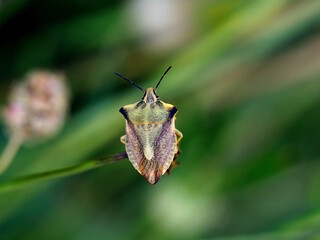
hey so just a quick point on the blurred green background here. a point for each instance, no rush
(246, 81)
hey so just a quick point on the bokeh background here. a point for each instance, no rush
(246, 81)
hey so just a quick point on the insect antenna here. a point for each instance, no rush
(136, 85)
(162, 78)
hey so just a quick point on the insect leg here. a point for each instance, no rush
(173, 165)
(180, 135)
(123, 139)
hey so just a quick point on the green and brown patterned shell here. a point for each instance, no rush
(151, 141)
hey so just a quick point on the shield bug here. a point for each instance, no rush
(151, 138)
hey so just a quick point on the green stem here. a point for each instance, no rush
(59, 173)
(10, 151)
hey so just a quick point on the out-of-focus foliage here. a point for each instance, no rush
(246, 81)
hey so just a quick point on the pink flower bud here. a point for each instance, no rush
(38, 105)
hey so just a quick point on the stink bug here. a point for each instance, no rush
(151, 138)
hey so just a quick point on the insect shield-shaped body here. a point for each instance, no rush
(151, 138)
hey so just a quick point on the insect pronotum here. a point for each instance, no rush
(151, 140)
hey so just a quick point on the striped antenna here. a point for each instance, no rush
(136, 85)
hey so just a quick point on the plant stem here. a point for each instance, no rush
(10, 151)
(60, 173)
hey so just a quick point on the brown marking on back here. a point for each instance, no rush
(151, 177)
(157, 177)
(149, 169)
(142, 165)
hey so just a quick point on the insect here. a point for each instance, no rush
(151, 140)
